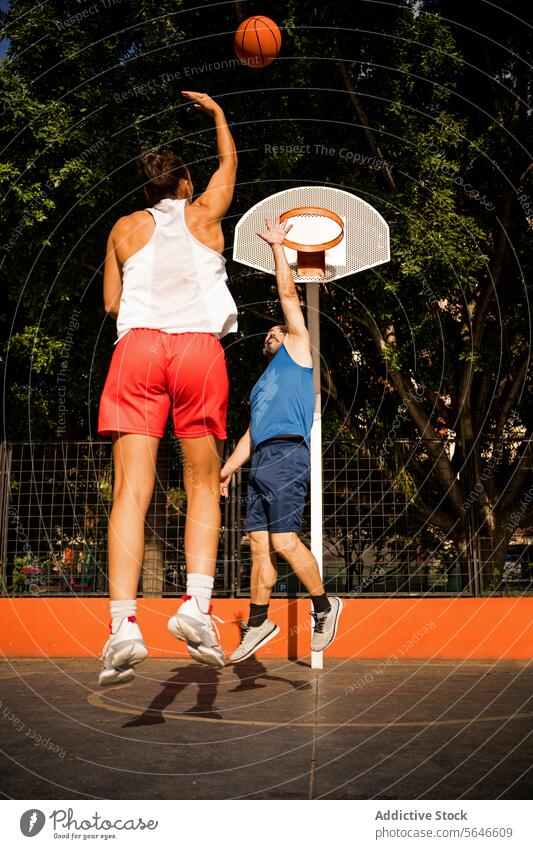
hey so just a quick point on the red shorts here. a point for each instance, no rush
(152, 372)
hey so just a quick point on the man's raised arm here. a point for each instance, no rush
(275, 235)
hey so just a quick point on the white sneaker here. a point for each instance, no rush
(197, 629)
(252, 639)
(123, 651)
(325, 625)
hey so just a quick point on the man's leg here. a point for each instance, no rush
(326, 611)
(301, 561)
(260, 630)
(263, 577)
(288, 474)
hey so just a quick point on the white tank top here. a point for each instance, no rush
(175, 283)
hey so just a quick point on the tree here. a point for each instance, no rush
(419, 107)
(444, 329)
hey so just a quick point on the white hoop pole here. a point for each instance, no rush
(313, 325)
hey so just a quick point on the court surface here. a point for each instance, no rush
(359, 729)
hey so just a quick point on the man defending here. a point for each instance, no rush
(282, 405)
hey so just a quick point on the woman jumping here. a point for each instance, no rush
(165, 283)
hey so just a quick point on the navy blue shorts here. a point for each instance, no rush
(277, 486)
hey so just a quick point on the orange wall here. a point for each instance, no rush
(369, 628)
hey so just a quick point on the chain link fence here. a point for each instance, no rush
(55, 500)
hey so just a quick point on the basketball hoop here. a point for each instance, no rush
(317, 214)
(311, 257)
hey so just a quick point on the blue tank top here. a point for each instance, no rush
(283, 400)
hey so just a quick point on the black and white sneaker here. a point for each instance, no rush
(325, 625)
(252, 639)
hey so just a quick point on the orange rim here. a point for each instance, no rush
(313, 210)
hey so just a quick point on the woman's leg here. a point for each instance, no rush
(134, 457)
(201, 476)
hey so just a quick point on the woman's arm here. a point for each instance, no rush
(215, 201)
(112, 278)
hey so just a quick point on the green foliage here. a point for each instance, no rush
(19, 583)
(448, 120)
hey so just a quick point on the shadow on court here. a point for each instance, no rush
(247, 673)
(275, 729)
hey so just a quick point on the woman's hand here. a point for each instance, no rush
(203, 102)
(276, 233)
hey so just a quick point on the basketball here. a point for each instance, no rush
(257, 41)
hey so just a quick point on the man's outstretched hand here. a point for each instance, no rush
(275, 233)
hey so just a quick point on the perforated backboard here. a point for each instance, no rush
(366, 233)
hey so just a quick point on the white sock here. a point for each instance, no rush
(121, 610)
(200, 586)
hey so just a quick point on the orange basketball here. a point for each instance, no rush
(257, 41)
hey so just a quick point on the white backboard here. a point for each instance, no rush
(366, 233)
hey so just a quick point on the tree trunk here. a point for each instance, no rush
(465, 561)
(153, 567)
(493, 548)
